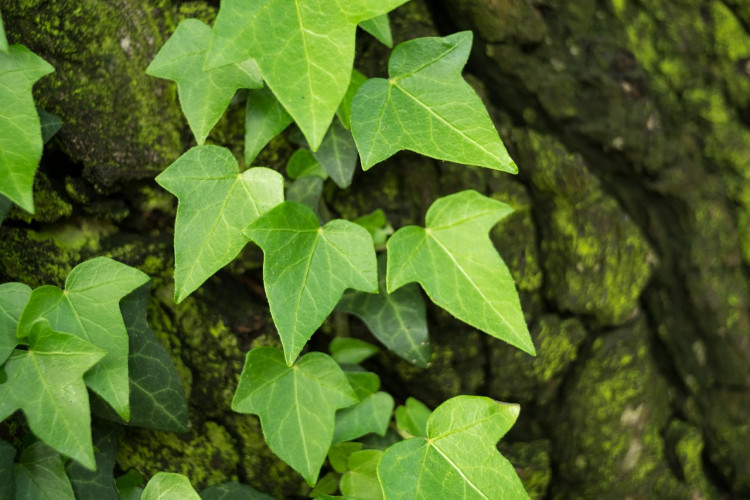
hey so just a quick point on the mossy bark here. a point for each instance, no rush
(630, 123)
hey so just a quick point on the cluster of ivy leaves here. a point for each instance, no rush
(294, 61)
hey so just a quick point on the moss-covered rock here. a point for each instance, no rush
(532, 463)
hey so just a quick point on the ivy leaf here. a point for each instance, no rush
(308, 191)
(3, 39)
(99, 484)
(307, 268)
(457, 265)
(345, 109)
(46, 382)
(7, 456)
(50, 124)
(233, 491)
(304, 164)
(157, 400)
(371, 415)
(40, 472)
(361, 481)
(167, 486)
(90, 308)
(299, 426)
(304, 50)
(338, 455)
(130, 485)
(265, 118)
(398, 319)
(5, 204)
(459, 458)
(216, 203)
(338, 154)
(380, 28)
(351, 351)
(326, 486)
(204, 94)
(411, 418)
(426, 107)
(20, 130)
(13, 298)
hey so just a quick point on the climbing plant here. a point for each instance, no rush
(294, 63)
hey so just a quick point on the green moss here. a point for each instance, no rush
(49, 205)
(532, 463)
(686, 444)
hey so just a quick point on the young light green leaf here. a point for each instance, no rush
(304, 49)
(90, 308)
(426, 107)
(296, 404)
(216, 203)
(303, 164)
(457, 265)
(204, 94)
(397, 319)
(458, 458)
(50, 123)
(3, 39)
(338, 154)
(351, 351)
(233, 491)
(338, 455)
(46, 382)
(345, 109)
(40, 473)
(13, 298)
(370, 415)
(361, 481)
(377, 225)
(20, 130)
(380, 28)
(7, 456)
(169, 486)
(411, 418)
(157, 400)
(265, 118)
(307, 268)
(98, 484)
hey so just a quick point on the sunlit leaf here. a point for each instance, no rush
(265, 118)
(40, 473)
(296, 404)
(13, 298)
(427, 107)
(458, 458)
(216, 203)
(457, 265)
(307, 267)
(169, 486)
(361, 481)
(204, 94)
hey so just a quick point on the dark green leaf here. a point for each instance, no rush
(40, 475)
(296, 404)
(7, 456)
(309, 191)
(98, 484)
(411, 419)
(265, 118)
(13, 298)
(380, 28)
(370, 415)
(338, 455)
(169, 486)
(130, 485)
(5, 204)
(351, 351)
(338, 154)
(326, 485)
(233, 491)
(51, 124)
(361, 482)
(303, 164)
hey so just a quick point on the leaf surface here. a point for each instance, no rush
(459, 458)
(304, 50)
(20, 130)
(265, 118)
(308, 191)
(233, 491)
(361, 480)
(46, 382)
(90, 308)
(338, 154)
(13, 298)
(397, 319)
(50, 123)
(216, 203)
(370, 415)
(338, 455)
(40, 474)
(303, 164)
(5, 204)
(3, 39)
(296, 404)
(98, 484)
(380, 28)
(7, 456)
(351, 351)
(345, 109)
(204, 94)
(169, 486)
(457, 265)
(411, 418)
(427, 107)
(307, 267)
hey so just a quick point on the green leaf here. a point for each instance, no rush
(459, 458)
(326, 485)
(7, 456)
(296, 404)
(20, 130)
(363, 382)
(411, 419)
(157, 399)
(204, 94)
(130, 485)
(338, 455)
(397, 319)
(345, 109)
(90, 308)
(377, 225)
(309, 191)
(3, 39)
(304, 50)
(361, 481)
(169, 486)
(13, 298)
(233, 491)
(380, 28)
(50, 123)
(304, 164)
(457, 265)
(98, 484)
(307, 268)
(40, 474)
(426, 107)
(351, 351)
(5, 204)
(216, 203)
(371, 415)
(265, 118)
(338, 154)
(46, 382)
